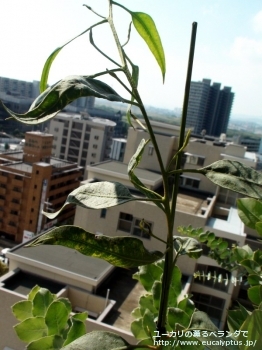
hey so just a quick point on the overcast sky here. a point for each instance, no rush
(228, 46)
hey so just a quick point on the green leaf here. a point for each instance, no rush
(77, 330)
(235, 176)
(249, 211)
(136, 313)
(138, 330)
(81, 316)
(146, 28)
(147, 275)
(33, 292)
(22, 310)
(252, 339)
(176, 315)
(97, 340)
(119, 251)
(255, 294)
(175, 287)
(31, 329)
(149, 324)
(67, 304)
(251, 266)
(187, 246)
(235, 319)
(254, 279)
(50, 60)
(258, 227)
(242, 253)
(187, 305)
(97, 195)
(56, 317)
(41, 301)
(53, 342)
(56, 97)
(146, 303)
(156, 293)
(133, 163)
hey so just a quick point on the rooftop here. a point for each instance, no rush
(62, 259)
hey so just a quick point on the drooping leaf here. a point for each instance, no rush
(22, 309)
(97, 195)
(41, 301)
(235, 176)
(53, 342)
(146, 28)
(77, 330)
(133, 163)
(249, 211)
(187, 246)
(56, 317)
(31, 329)
(98, 340)
(51, 58)
(65, 91)
(119, 251)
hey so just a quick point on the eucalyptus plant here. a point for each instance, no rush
(161, 310)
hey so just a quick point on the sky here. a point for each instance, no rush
(228, 45)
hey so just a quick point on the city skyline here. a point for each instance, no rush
(228, 46)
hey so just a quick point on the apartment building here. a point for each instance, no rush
(31, 181)
(199, 204)
(81, 139)
(209, 107)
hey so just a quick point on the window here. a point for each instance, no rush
(96, 137)
(210, 281)
(213, 306)
(125, 222)
(56, 129)
(190, 182)
(150, 150)
(32, 210)
(94, 146)
(37, 172)
(93, 155)
(131, 225)
(194, 159)
(35, 186)
(103, 213)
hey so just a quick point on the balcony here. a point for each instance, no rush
(2, 191)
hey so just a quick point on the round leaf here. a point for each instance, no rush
(22, 310)
(56, 317)
(31, 329)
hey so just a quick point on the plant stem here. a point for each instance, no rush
(170, 215)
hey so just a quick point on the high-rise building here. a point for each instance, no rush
(31, 181)
(209, 107)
